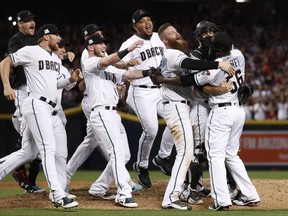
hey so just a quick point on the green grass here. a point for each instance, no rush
(129, 212)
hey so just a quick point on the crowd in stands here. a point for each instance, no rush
(259, 31)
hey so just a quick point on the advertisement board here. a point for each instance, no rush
(264, 148)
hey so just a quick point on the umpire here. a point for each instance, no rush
(25, 36)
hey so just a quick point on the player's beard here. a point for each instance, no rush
(53, 47)
(179, 44)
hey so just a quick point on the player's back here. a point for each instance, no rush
(237, 59)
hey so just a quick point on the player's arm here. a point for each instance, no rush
(223, 88)
(192, 64)
(5, 67)
(71, 81)
(183, 80)
(136, 73)
(125, 65)
(158, 79)
(117, 56)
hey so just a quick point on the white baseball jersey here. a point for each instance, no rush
(215, 77)
(103, 85)
(149, 55)
(170, 67)
(41, 70)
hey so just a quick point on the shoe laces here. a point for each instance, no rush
(129, 200)
(36, 187)
(66, 200)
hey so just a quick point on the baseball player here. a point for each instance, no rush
(199, 113)
(89, 143)
(144, 97)
(42, 68)
(100, 80)
(222, 140)
(100, 187)
(25, 36)
(61, 152)
(176, 102)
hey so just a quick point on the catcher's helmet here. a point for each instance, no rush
(205, 26)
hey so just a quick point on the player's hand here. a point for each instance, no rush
(70, 56)
(225, 87)
(136, 44)
(132, 62)
(156, 76)
(227, 67)
(9, 93)
(76, 75)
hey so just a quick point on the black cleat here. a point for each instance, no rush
(163, 164)
(205, 192)
(143, 176)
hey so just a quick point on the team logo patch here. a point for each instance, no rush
(205, 73)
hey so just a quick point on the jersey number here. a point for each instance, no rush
(238, 82)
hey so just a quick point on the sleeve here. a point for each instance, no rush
(208, 76)
(67, 74)
(192, 64)
(21, 57)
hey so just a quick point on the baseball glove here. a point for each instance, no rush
(244, 92)
(154, 74)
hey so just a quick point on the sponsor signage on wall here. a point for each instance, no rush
(267, 148)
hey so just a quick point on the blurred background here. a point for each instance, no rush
(258, 28)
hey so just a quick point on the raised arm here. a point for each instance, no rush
(5, 67)
(117, 56)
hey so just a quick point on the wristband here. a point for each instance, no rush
(145, 73)
(122, 53)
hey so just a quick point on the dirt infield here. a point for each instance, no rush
(273, 194)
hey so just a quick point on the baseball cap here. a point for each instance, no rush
(95, 39)
(24, 15)
(48, 29)
(137, 15)
(220, 41)
(91, 29)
